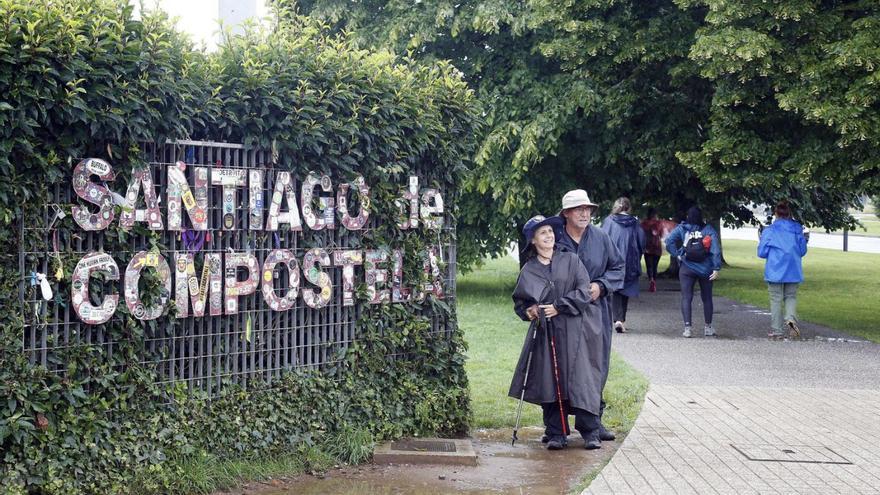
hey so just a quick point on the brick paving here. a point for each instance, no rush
(739, 414)
(739, 440)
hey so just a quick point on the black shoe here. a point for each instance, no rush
(555, 445)
(545, 439)
(592, 444)
(606, 435)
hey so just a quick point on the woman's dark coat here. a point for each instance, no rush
(629, 238)
(577, 329)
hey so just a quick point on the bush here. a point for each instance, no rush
(84, 78)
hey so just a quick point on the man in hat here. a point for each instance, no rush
(603, 261)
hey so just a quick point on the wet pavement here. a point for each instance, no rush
(525, 469)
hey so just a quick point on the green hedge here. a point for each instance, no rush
(84, 78)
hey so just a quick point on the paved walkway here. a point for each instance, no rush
(741, 414)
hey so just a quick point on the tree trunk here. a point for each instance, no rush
(716, 224)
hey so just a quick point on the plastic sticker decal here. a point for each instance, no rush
(363, 190)
(408, 205)
(255, 199)
(275, 258)
(141, 260)
(347, 260)
(327, 217)
(432, 214)
(284, 190)
(318, 277)
(229, 179)
(93, 193)
(130, 212)
(195, 203)
(236, 288)
(434, 284)
(79, 288)
(195, 290)
(376, 276)
(399, 293)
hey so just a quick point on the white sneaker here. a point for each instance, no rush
(687, 332)
(708, 331)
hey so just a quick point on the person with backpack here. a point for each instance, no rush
(783, 244)
(696, 246)
(626, 233)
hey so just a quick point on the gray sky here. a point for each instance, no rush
(199, 18)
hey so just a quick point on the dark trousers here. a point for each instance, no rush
(688, 278)
(619, 303)
(585, 422)
(651, 263)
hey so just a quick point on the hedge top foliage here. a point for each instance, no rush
(79, 76)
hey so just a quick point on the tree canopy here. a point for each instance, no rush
(672, 103)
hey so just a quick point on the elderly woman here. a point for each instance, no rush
(566, 354)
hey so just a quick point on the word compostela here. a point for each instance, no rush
(216, 289)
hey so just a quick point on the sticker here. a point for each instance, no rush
(284, 190)
(432, 209)
(347, 260)
(236, 288)
(141, 176)
(255, 200)
(408, 206)
(399, 292)
(229, 179)
(93, 193)
(327, 214)
(376, 276)
(280, 257)
(90, 264)
(363, 193)
(141, 260)
(317, 277)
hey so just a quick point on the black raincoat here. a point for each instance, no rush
(577, 329)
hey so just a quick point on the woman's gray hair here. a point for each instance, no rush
(621, 205)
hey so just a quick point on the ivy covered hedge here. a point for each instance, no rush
(85, 78)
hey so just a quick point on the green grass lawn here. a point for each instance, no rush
(840, 290)
(495, 337)
(871, 227)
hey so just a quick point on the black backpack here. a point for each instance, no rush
(694, 250)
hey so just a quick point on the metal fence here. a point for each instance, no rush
(206, 352)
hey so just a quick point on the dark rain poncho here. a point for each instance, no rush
(577, 329)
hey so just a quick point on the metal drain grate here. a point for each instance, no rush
(806, 454)
(423, 446)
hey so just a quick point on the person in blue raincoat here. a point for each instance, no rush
(783, 244)
(603, 262)
(698, 249)
(626, 233)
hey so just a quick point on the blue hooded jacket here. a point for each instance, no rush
(626, 233)
(783, 245)
(675, 246)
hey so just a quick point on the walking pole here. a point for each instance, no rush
(556, 375)
(522, 394)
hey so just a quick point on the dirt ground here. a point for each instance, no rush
(525, 469)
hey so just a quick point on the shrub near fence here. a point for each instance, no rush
(84, 79)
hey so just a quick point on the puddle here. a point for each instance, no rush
(526, 469)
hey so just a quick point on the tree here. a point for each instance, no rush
(620, 98)
(795, 109)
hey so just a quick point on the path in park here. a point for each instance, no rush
(741, 414)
